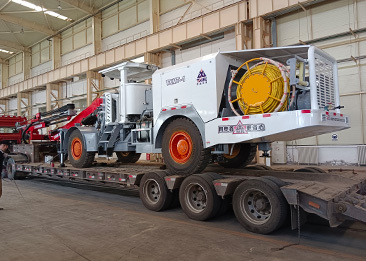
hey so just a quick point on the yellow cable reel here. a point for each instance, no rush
(263, 88)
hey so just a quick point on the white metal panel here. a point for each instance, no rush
(135, 97)
(349, 80)
(291, 29)
(331, 18)
(279, 153)
(266, 127)
(360, 11)
(351, 107)
(125, 36)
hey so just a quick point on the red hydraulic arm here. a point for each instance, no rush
(55, 135)
(83, 114)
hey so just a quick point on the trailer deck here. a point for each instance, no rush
(335, 196)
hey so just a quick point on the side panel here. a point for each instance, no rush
(283, 126)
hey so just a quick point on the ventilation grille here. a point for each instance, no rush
(361, 152)
(308, 155)
(324, 81)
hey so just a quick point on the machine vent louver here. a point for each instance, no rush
(361, 152)
(308, 155)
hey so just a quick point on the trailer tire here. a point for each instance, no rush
(127, 157)
(280, 183)
(182, 148)
(258, 167)
(267, 213)
(154, 192)
(311, 170)
(198, 197)
(244, 154)
(78, 156)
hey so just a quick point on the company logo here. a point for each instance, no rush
(241, 128)
(175, 80)
(201, 78)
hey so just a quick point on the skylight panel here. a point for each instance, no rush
(41, 9)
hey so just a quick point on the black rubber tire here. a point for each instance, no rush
(280, 183)
(311, 170)
(127, 157)
(213, 201)
(225, 202)
(199, 157)
(246, 155)
(279, 206)
(258, 167)
(86, 159)
(155, 200)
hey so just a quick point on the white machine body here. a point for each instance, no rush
(196, 88)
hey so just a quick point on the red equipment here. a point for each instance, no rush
(15, 136)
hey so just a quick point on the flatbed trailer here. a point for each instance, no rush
(261, 197)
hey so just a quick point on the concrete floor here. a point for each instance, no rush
(46, 220)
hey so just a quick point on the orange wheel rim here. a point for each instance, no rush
(180, 146)
(235, 152)
(76, 148)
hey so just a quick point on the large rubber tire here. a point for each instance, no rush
(198, 197)
(260, 206)
(154, 193)
(311, 170)
(182, 148)
(78, 156)
(243, 154)
(127, 157)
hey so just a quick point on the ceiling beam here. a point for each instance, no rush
(13, 45)
(81, 5)
(2, 61)
(27, 24)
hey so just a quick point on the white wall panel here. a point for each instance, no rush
(128, 35)
(225, 44)
(42, 68)
(16, 78)
(349, 80)
(291, 29)
(332, 18)
(78, 54)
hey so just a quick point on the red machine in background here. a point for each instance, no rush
(8, 131)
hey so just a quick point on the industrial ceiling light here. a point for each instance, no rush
(41, 9)
(6, 51)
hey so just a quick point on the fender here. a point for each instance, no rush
(167, 114)
(90, 137)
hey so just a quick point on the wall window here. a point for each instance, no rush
(16, 64)
(41, 53)
(125, 15)
(77, 36)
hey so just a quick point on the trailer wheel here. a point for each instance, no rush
(258, 167)
(128, 156)
(311, 170)
(242, 155)
(182, 148)
(260, 206)
(198, 197)
(79, 157)
(154, 193)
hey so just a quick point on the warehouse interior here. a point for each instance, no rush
(52, 54)
(48, 61)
